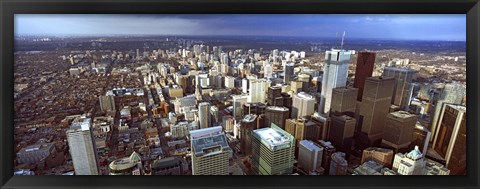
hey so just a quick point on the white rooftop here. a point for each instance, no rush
(272, 137)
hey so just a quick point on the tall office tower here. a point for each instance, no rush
(344, 100)
(364, 69)
(138, 54)
(258, 90)
(82, 147)
(288, 72)
(303, 105)
(338, 165)
(306, 80)
(322, 123)
(238, 102)
(301, 129)
(342, 128)
(107, 103)
(310, 156)
(229, 82)
(412, 163)
(204, 116)
(276, 115)
(399, 130)
(421, 138)
(380, 155)
(272, 151)
(247, 125)
(245, 86)
(250, 108)
(374, 108)
(402, 93)
(273, 93)
(335, 72)
(328, 150)
(228, 122)
(296, 86)
(450, 140)
(452, 93)
(210, 151)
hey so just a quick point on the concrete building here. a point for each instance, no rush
(450, 141)
(303, 104)
(33, 154)
(170, 166)
(82, 147)
(204, 116)
(328, 150)
(402, 92)
(399, 129)
(310, 156)
(411, 163)
(421, 138)
(380, 155)
(344, 100)
(374, 109)
(338, 165)
(238, 102)
(288, 72)
(342, 129)
(335, 72)
(272, 151)
(258, 90)
(130, 165)
(107, 103)
(210, 151)
(364, 69)
(276, 115)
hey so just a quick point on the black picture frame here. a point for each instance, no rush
(10, 7)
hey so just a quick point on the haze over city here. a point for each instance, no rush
(240, 95)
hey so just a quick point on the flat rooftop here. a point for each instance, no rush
(272, 137)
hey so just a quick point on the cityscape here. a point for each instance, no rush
(239, 95)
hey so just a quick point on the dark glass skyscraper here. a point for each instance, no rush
(365, 64)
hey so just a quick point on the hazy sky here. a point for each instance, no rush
(391, 26)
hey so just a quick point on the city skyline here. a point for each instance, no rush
(440, 27)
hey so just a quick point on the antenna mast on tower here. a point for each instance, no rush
(343, 37)
(336, 41)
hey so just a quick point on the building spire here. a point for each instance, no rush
(343, 37)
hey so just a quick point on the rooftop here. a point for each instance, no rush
(209, 145)
(310, 145)
(249, 118)
(277, 108)
(402, 114)
(272, 136)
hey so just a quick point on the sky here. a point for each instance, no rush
(445, 27)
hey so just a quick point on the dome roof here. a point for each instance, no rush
(415, 154)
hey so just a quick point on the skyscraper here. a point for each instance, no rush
(276, 115)
(342, 128)
(303, 104)
(411, 163)
(309, 156)
(272, 151)
(344, 100)
(364, 69)
(452, 93)
(288, 73)
(258, 90)
(335, 72)
(238, 101)
(399, 130)
(375, 106)
(247, 125)
(210, 151)
(82, 147)
(402, 93)
(204, 116)
(107, 103)
(328, 150)
(450, 141)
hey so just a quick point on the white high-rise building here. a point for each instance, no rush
(210, 151)
(309, 156)
(229, 82)
(258, 90)
(82, 147)
(302, 104)
(335, 73)
(204, 116)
